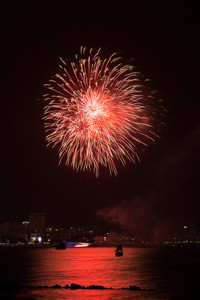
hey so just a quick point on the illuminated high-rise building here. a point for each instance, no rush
(38, 223)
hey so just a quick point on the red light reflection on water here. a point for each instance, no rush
(161, 272)
(63, 294)
(84, 266)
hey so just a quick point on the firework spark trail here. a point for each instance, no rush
(98, 112)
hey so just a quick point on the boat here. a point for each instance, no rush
(77, 244)
(61, 246)
(119, 250)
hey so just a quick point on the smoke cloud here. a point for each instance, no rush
(170, 196)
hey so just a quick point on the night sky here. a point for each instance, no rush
(153, 197)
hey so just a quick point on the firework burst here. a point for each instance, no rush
(98, 112)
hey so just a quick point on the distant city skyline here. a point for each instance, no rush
(36, 231)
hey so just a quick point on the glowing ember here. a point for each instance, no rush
(98, 112)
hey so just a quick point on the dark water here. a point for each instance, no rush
(165, 274)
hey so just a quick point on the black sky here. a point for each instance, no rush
(164, 41)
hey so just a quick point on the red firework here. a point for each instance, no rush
(98, 112)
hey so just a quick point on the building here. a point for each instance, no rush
(13, 232)
(37, 225)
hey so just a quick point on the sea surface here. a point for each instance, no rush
(163, 273)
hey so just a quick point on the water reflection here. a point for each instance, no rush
(163, 273)
(86, 266)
